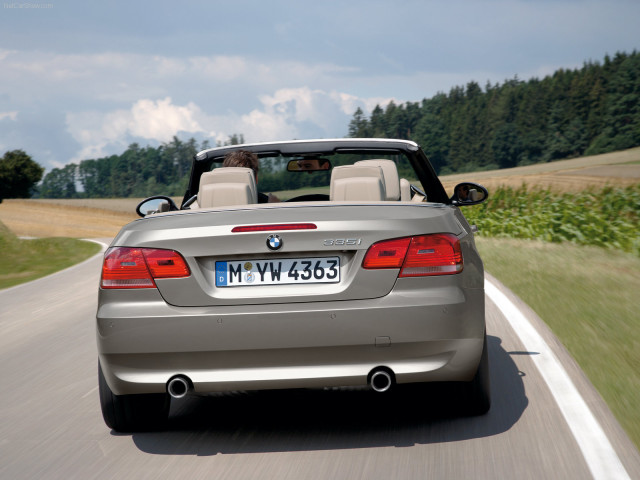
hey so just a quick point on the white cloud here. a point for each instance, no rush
(161, 120)
(156, 120)
(13, 116)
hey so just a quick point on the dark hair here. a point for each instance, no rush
(241, 158)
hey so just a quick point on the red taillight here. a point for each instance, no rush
(387, 254)
(125, 267)
(436, 254)
(165, 263)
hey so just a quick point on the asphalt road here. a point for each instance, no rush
(51, 426)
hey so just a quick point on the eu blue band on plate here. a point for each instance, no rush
(221, 274)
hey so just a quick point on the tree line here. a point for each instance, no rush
(138, 172)
(594, 109)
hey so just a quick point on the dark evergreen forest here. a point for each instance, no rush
(594, 109)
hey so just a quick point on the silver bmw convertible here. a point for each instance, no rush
(301, 264)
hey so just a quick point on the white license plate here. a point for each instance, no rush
(282, 271)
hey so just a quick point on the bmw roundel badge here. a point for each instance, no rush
(274, 242)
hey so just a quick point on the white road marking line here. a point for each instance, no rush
(598, 452)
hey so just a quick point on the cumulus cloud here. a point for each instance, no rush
(156, 120)
(289, 113)
(304, 112)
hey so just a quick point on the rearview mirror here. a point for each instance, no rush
(155, 204)
(309, 165)
(469, 193)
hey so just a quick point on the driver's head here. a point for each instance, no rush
(242, 158)
(308, 164)
(463, 191)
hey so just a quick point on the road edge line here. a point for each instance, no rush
(597, 450)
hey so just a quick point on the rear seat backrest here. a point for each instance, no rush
(227, 186)
(390, 174)
(357, 182)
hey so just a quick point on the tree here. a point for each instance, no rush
(18, 175)
(431, 133)
(235, 139)
(506, 146)
(60, 183)
(358, 126)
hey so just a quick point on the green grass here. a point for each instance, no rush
(589, 298)
(25, 260)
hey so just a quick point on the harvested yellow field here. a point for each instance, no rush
(123, 205)
(38, 218)
(617, 169)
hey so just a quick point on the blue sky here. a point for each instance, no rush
(85, 79)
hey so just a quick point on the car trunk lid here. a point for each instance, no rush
(283, 253)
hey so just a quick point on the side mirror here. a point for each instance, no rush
(155, 204)
(469, 193)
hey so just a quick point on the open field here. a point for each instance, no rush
(617, 169)
(43, 218)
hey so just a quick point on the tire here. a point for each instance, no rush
(477, 392)
(132, 413)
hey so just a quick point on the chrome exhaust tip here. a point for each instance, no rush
(380, 381)
(178, 387)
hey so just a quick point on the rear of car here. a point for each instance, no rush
(306, 294)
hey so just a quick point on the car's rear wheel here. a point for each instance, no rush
(132, 413)
(477, 392)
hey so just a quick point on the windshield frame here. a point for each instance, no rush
(205, 160)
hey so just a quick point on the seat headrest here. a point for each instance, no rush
(390, 173)
(227, 186)
(357, 182)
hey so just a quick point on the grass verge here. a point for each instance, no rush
(25, 260)
(589, 298)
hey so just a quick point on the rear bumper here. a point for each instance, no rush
(429, 335)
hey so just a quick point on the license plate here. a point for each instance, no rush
(282, 271)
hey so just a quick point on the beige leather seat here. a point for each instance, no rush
(390, 174)
(405, 190)
(357, 182)
(226, 186)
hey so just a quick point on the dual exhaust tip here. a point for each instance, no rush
(380, 380)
